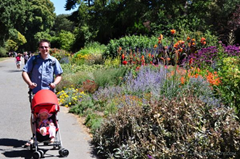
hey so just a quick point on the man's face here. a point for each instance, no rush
(44, 48)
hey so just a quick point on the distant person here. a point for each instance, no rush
(25, 57)
(18, 60)
(14, 54)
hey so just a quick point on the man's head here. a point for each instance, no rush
(44, 47)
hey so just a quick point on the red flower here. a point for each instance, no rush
(124, 62)
(190, 61)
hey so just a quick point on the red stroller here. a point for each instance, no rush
(48, 100)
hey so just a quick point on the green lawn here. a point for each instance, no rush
(3, 58)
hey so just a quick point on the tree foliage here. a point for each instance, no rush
(13, 16)
(103, 20)
(117, 18)
(40, 18)
(63, 23)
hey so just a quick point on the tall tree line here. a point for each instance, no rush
(102, 20)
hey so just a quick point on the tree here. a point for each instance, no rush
(15, 40)
(66, 39)
(13, 16)
(40, 18)
(63, 23)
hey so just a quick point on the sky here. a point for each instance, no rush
(59, 7)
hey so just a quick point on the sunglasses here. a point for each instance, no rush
(43, 47)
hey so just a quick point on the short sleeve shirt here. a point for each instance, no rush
(42, 71)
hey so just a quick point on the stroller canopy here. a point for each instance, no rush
(44, 97)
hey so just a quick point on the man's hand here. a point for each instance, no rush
(32, 85)
(52, 85)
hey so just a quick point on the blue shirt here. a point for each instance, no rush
(42, 71)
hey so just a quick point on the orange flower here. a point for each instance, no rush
(183, 80)
(202, 39)
(180, 50)
(120, 48)
(173, 31)
(155, 46)
(149, 55)
(176, 45)
(123, 56)
(188, 38)
(181, 42)
(213, 78)
(160, 37)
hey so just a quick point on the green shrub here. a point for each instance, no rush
(84, 103)
(73, 79)
(109, 76)
(90, 54)
(3, 52)
(229, 71)
(93, 121)
(177, 128)
(129, 43)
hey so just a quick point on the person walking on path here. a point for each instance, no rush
(18, 60)
(25, 57)
(42, 71)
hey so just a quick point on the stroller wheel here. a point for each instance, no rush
(36, 155)
(41, 153)
(63, 152)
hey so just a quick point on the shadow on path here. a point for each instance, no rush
(20, 70)
(10, 148)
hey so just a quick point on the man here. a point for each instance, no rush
(41, 71)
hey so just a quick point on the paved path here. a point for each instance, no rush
(15, 116)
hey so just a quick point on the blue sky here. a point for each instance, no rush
(59, 7)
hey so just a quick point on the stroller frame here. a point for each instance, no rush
(36, 136)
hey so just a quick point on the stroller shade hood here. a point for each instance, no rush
(44, 98)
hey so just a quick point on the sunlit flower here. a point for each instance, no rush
(173, 31)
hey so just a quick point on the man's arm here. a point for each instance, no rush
(28, 80)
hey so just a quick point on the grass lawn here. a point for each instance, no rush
(3, 58)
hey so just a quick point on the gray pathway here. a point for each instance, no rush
(15, 115)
